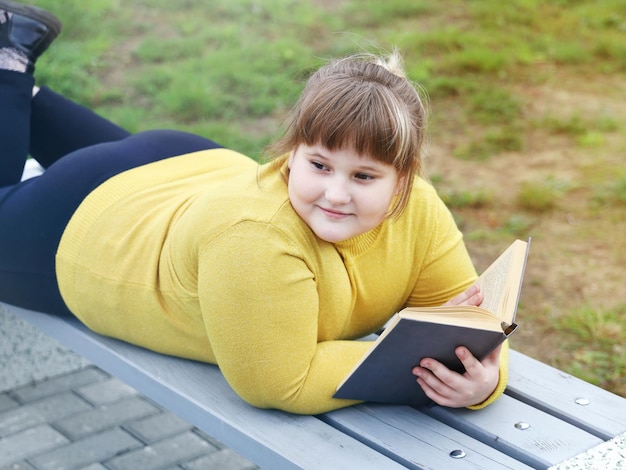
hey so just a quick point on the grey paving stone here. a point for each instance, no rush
(93, 449)
(162, 454)
(6, 402)
(223, 459)
(26, 354)
(42, 411)
(104, 417)
(27, 443)
(105, 392)
(158, 427)
(109, 423)
(60, 384)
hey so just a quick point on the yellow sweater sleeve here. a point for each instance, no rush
(260, 310)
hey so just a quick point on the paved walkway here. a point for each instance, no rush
(59, 412)
(88, 420)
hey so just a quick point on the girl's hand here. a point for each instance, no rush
(448, 388)
(472, 296)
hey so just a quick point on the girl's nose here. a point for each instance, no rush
(337, 192)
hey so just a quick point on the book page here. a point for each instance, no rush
(493, 283)
(501, 282)
(468, 316)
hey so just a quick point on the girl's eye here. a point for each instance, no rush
(318, 165)
(364, 177)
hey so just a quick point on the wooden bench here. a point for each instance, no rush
(545, 417)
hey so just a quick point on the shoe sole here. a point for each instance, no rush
(35, 13)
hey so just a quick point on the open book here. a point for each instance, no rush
(385, 372)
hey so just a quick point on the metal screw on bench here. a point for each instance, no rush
(582, 401)
(457, 454)
(522, 426)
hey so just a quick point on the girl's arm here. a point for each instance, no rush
(260, 306)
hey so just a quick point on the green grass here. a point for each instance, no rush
(586, 132)
(211, 67)
(518, 226)
(541, 196)
(191, 62)
(496, 140)
(611, 193)
(598, 351)
(457, 199)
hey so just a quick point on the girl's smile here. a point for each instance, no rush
(339, 193)
(334, 214)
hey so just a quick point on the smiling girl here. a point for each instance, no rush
(273, 271)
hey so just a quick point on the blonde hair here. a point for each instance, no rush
(363, 102)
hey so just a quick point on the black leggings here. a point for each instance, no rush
(80, 150)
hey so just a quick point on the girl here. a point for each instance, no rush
(171, 242)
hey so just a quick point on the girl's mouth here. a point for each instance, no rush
(332, 214)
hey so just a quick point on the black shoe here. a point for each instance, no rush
(29, 29)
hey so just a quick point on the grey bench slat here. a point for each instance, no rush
(546, 441)
(556, 392)
(417, 440)
(199, 394)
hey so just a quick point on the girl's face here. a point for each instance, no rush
(339, 193)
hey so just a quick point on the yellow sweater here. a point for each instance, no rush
(202, 256)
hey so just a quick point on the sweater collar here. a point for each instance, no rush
(360, 244)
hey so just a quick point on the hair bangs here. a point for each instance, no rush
(370, 122)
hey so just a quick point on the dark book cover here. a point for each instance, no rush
(385, 375)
